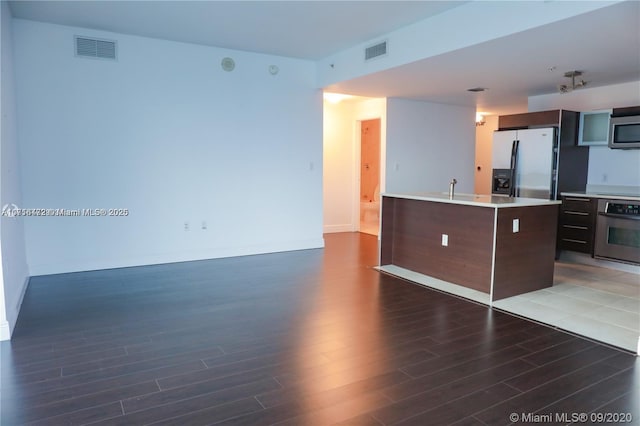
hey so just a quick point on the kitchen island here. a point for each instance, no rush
(482, 247)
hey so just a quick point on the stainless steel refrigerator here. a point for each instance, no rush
(525, 163)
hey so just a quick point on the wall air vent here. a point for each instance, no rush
(87, 47)
(375, 51)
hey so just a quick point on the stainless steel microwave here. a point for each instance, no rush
(624, 132)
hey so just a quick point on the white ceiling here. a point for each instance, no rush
(605, 43)
(298, 29)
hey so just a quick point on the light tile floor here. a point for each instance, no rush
(599, 303)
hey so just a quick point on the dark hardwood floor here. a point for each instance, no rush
(312, 337)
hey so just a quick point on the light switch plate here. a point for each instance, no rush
(516, 225)
(445, 240)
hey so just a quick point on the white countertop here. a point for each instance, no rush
(495, 201)
(607, 196)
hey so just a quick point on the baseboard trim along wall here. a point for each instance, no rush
(23, 291)
(94, 265)
(7, 327)
(331, 229)
(5, 331)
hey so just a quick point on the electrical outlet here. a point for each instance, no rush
(204, 224)
(516, 225)
(186, 226)
(445, 240)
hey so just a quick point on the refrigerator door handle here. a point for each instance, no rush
(514, 166)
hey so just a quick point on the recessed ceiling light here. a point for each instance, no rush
(477, 89)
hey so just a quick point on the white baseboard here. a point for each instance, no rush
(23, 291)
(5, 331)
(12, 312)
(94, 265)
(435, 283)
(331, 229)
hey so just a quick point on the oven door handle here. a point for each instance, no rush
(619, 216)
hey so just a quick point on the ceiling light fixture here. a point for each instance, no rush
(566, 88)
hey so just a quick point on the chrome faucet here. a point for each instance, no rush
(452, 187)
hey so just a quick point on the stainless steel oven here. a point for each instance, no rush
(618, 231)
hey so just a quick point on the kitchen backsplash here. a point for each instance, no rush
(614, 189)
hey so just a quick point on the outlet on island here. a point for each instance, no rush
(445, 240)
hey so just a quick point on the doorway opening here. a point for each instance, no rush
(370, 176)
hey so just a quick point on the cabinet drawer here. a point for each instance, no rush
(576, 218)
(577, 204)
(575, 245)
(576, 233)
(576, 224)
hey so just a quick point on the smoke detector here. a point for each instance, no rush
(228, 64)
(575, 84)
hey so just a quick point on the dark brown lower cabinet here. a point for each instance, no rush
(577, 224)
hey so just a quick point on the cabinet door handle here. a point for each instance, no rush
(576, 213)
(578, 199)
(575, 227)
(574, 241)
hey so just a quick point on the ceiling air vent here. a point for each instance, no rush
(375, 51)
(95, 48)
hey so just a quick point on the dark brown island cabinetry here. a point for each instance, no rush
(482, 247)
(576, 229)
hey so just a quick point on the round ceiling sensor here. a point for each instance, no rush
(228, 64)
(273, 69)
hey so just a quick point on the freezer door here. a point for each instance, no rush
(501, 149)
(534, 174)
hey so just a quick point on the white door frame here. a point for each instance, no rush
(357, 155)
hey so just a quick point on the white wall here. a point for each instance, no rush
(607, 167)
(338, 174)
(342, 157)
(13, 269)
(165, 133)
(427, 145)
